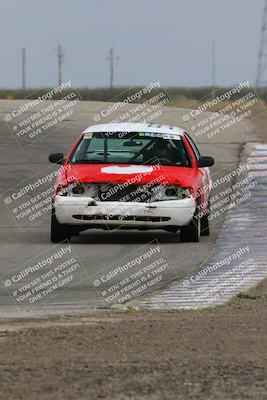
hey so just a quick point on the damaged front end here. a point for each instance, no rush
(125, 206)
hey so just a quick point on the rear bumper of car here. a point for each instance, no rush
(84, 211)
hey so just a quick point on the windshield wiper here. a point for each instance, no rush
(114, 162)
(90, 162)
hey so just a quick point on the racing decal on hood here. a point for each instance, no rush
(129, 169)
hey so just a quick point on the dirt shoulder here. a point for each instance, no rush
(213, 354)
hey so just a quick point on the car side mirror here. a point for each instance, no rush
(205, 161)
(56, 158)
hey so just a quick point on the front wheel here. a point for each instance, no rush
(191, 232)
(59, 232)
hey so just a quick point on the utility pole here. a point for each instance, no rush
(23, 68)
(111, 57)
(60, 57)
(213, 68)
(262, 58)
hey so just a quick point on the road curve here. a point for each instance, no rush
(95, 250)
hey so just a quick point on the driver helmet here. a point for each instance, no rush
(161, 148)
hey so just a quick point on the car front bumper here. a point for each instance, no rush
(84, 211)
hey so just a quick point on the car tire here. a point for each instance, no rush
(204, 223)
(59, 232)
(191, 232)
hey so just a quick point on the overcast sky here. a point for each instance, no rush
(166, 40)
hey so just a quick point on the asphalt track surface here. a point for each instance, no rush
(95, 249)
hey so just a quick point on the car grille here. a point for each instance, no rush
(130, 193)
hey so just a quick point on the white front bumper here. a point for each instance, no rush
(80, 211)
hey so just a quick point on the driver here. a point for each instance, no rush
(161, 150)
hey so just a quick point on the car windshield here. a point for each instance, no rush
(131, 148)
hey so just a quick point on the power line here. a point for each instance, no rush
(111, 57)
(262, 58)
(23, 68)
(213, 68)
(60, 57)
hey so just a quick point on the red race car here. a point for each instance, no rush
(132, 176)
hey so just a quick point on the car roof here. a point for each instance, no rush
(139, 127)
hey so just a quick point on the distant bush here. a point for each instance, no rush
(119, 93)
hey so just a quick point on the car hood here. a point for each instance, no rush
(134, 174)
